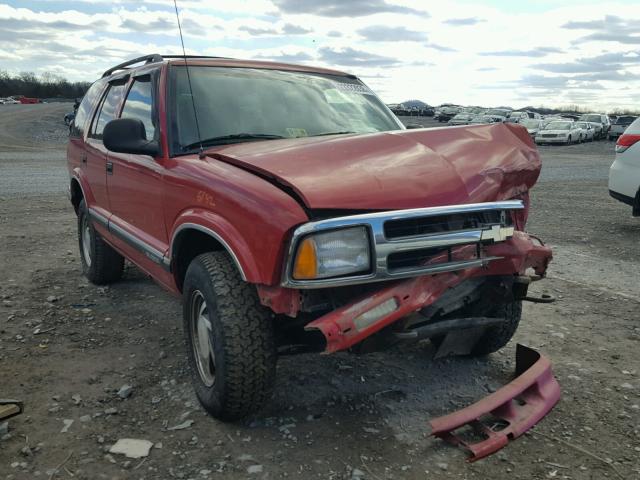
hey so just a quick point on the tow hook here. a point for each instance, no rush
(521, 286)
(544, 298)
(512, 410)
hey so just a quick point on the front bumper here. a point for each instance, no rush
(352, 323)
(551, 140)
(521, 404)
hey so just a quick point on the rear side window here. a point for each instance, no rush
(82, 115)
(139, 104)
(107, 110)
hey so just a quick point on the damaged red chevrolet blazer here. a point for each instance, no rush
(293, 212)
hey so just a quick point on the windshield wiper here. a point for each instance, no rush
(331, 133)
(233, 138)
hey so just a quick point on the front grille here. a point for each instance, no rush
(404, 243)
(548, 135)
(404, 260)
(419, 226)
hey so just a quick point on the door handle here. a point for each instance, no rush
(83, 159)
(110, 168)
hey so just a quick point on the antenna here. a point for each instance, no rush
(186, 66)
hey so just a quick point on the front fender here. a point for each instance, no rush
(224, 232)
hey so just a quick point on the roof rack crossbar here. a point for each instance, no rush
(153, 58)
(189, 56)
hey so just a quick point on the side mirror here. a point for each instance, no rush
(411, 126)
(128, 135)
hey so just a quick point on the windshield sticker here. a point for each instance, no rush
(297, 132)
(353, 88)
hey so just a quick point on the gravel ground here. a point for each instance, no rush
(67, 348)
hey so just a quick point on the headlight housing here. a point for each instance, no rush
(332, 254)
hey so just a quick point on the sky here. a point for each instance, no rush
(490, 53)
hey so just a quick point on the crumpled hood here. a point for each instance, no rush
(395, 170)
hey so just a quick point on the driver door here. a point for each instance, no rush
(134, 183)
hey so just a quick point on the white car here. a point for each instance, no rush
(517, 117)
(624, 175)
(461, 119)
(498, 114)
(588, 132)
(11, 101)
(481, 119)
(532, 125)
(559, 131)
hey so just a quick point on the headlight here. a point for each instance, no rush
(332, 254)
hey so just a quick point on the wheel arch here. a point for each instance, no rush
(76, 192)
(192, 239)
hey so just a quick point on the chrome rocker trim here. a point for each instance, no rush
(381, 247)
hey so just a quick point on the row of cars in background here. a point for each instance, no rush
(552, 129)
(18, 99)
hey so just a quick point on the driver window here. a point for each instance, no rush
(139, 105)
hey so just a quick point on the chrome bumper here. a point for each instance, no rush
(382, 247)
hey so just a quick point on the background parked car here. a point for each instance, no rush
(532, 125)
(480, 119)
(624, 175)
(447, 113)
(560, 131)
(461, 119)
(619, 126)
(588, 132)
(601, 123)
(498, 114)
(517, 117)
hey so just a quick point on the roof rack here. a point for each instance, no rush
(153, 58)
(189, 56)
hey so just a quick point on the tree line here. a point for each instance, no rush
(45, 85)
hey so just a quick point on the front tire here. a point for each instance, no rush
(497, 337)
(229, 338)
(101, 264)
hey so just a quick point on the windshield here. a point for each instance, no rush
(625, 120)
(248, 104)
(530, 123)
(591, 118)
(559, 126)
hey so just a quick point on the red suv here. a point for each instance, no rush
(293, 212)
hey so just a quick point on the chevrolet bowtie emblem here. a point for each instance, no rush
(497, 233)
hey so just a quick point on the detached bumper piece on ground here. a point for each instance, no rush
(10, 408)
(519, 405)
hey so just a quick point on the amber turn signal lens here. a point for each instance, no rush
(306, 265)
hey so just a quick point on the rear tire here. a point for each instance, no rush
(497, 337)
(101, 264)
(229, 338)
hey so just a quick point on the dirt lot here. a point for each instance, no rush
(67, 347)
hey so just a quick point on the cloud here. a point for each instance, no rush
(297, 57)
(534, 52)
(610, 29)
(343, 8)
(459, 22)
(385, 33)
(355, 58)
(605, 62)
(291, 29)
(257, 31)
